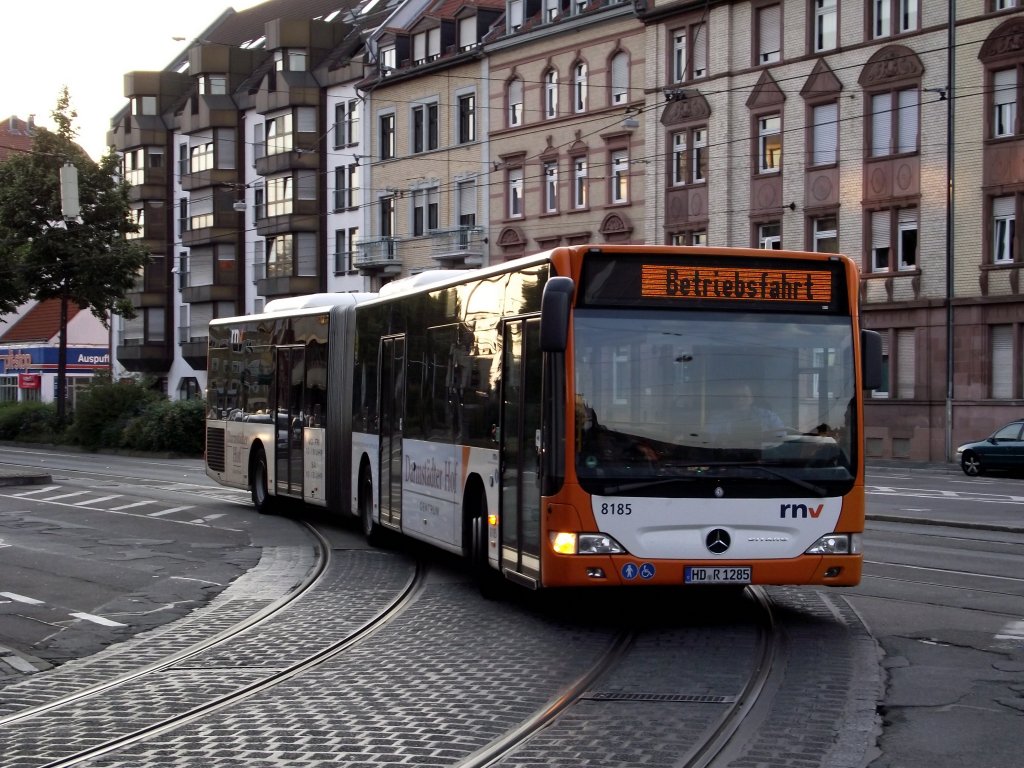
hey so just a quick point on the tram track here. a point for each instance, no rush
(72, 715)
(722, 740)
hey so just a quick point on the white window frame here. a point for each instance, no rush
(514, 98)
(551, 94)
(516, 206)
(769, 34)
(826, 25)
(769, 143)
(1004, 102)
(690, 53)
(907, 232)
(769, 236)
(550, 180)
(825, 135)
(579, 183)
(825, 228)
(579, 87)
(619, 66)
(618, 192)
(1004, 229)
(881, 240)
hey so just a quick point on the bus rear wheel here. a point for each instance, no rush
(258, 484)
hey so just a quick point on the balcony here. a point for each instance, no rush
(148, 357)
(204, 287)
(303, 154)
(212, 228)
(147, 184)
(379, 257)
(455, 248)
(150, 289)
(303, 217)
(276, 280)
(194, 350)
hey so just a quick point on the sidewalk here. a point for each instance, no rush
(24, 477)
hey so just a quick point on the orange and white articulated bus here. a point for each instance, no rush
(591, 415)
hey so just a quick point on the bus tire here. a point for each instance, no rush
(371, 530)
(488, 581)
(258, 483)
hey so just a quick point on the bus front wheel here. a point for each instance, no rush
(371, 530)
(258, 483)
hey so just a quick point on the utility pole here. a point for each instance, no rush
(70, 210)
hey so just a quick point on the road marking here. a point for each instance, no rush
(163, 512)
(97, 501)
(130, 506)
(207, 519)
(21, 598)
(37, 490)
(64, 496)
(98, 620)
(1014, 630)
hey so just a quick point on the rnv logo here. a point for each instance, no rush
(800, 510)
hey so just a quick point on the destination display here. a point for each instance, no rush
(714, 283)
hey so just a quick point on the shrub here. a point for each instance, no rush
(32, 421)
(104, 409)
(168, 426)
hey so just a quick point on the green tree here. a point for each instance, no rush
(86, 260)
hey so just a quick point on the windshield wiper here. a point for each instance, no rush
(701, 467)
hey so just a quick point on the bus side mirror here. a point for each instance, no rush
(554, 314)
(871, 358)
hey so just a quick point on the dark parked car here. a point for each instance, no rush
(1003, 449)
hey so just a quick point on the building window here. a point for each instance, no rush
(346, 123)
(769, 236)
(826, 25)
(550, 10)
(515, 193)
(466, 200)
(1002, 5)
(579, 87)
(550, 181)
(620, 78)
(213, 85)
(882, 239)
(689, 53)
(689, 156)
(1001, 354)
(467, 33)
(906, 238)
(515, 15)
(893, 17)
(278, 136)
(182, 215)
(894, 122)
(579, 183)
(825, 136)
(280, 262)
(1004, 103)
(693, 237)
(906, 363)
(387, 136)
(824, 234)
(467, 118)
(346, 187)
(424, 211)
(619, 177)
(550, 94)
(279, 196)
(200, 157)
(515, 102)
(144, 105)
(769, 34)
(1004, 229)
(388, 216)
(387, 59)
(426, 46)
(769, 144)
(290, 60)
(424, 128)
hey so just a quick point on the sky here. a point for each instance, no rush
(89, 45)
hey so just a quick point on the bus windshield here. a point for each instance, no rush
(667, 396)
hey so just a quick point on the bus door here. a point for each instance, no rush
(520, 447)
(392, 413)
(289, 419)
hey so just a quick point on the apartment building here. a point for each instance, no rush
(568, 158)
(390, 137)
(426, 204)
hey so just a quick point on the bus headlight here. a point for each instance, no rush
(836, 544)
(565, 543)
